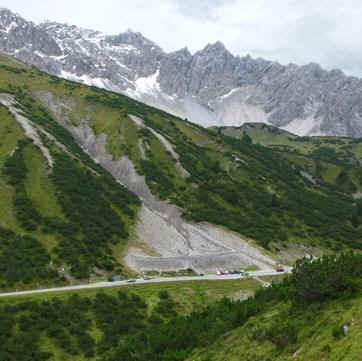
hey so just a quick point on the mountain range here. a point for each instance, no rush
(211, 87)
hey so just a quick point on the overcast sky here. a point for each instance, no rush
(328, 32)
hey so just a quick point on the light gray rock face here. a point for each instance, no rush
(211, 87)
(20, 36)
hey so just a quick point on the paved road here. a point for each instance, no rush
(141, 281)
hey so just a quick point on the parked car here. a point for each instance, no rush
(280, 269)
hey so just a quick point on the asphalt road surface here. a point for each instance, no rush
(142, 281)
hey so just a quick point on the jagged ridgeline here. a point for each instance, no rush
(54, 197)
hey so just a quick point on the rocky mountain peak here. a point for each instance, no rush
(135, 39)
(23, 38)
(183, 53)
(217, 49)
(10, 20)
(64, 31)
(218, 46)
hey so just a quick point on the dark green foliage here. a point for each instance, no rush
(174, 340)
(157, 179)
(12, 69)
(166, 306)
(65, 322)
(15, 169)
(246, 139)
(117, 317)
(68, 323)
(326, 277)
(328, 154)
(93, 224)
(164, 295)
(338, 332)
(345, 183)
(23, 259)
(283, 332)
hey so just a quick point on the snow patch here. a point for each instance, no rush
(145, 86)
(12, 26)
(39, 53)
(82, 48)
(229, 93)
(118, 63)
(60, 57)
(148, 85)
(123, 48)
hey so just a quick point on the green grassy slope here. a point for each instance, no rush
(82, 325)
(321, 336)
(305, 322)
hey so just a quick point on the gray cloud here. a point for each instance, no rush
(327, 31)
(200, 9)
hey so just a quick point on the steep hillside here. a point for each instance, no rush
(303, 322)
(210, 87)
(189, 180)
(61, 213)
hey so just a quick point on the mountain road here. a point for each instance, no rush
(144, 281)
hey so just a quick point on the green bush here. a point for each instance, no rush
(338, 332)
(283, 333)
